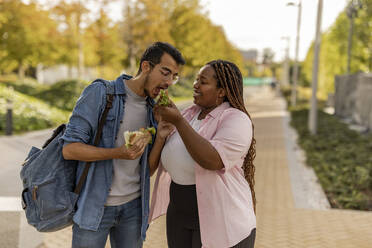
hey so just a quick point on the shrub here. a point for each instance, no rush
(28, 86)
(29, 113)
(63, 94)
(340, 157)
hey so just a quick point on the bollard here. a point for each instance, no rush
(9, 117)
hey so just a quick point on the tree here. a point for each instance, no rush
(145, 21)
(181, 23)
(104, 47)
(28, 36)
(71, 17)
(333, 55)
(198, 38)
(363, 46)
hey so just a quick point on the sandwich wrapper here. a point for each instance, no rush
(131, 137)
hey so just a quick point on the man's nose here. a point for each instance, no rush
(165, 85)
(169, 82)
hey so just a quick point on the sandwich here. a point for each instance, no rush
(163, 99)
(131, 137)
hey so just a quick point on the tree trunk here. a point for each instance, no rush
(80, 64)
(81, 61)
(128, 38)
(21, 71)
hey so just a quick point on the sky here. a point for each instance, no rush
(257, 24)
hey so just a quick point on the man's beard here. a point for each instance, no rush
(145, 84)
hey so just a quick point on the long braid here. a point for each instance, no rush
(230, 78)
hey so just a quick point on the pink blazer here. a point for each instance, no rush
(224, 198)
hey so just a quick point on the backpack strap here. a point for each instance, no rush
(109, 101)
(58, 130)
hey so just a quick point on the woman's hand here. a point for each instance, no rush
(164, 129)
(169, 114)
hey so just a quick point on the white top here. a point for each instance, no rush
(177, 160)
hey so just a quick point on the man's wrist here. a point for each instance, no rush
(115, 153)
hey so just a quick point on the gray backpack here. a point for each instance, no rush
(49, 193)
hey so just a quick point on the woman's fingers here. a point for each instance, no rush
(171, 104)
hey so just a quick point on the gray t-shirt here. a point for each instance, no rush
(126, 173)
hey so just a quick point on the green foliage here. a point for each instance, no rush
(146, 21)
(64, 32)
(29, 113)
(28, 36)
(63, 94)
(198, 38)
(104, 47)
(333, 50)
(28, 86)
(340, 157)
(70, 16)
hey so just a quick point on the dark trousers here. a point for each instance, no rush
(183, 229)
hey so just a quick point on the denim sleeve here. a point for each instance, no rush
(84, 119)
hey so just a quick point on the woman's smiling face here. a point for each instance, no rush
(206, 92)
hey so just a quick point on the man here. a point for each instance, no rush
(115, 197)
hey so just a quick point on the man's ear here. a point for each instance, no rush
(145, 66)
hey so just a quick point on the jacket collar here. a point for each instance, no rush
(119, 85)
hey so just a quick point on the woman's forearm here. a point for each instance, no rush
(154, 157)
(200, 149)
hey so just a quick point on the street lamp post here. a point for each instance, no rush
(9, 117)
(295, 71)
(285, 75)
(313, 108)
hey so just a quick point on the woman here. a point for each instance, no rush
(205, 182)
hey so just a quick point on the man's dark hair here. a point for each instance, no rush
(154, 53)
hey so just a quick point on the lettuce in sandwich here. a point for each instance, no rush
(164, 99)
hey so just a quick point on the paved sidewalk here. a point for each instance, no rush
(279, 222)
(156, 237)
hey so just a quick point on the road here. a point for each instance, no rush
(14, 231)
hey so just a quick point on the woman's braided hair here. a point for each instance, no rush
(230, 79)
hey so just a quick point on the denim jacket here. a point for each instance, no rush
(81, 128)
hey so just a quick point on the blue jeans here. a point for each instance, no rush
(123, 223)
